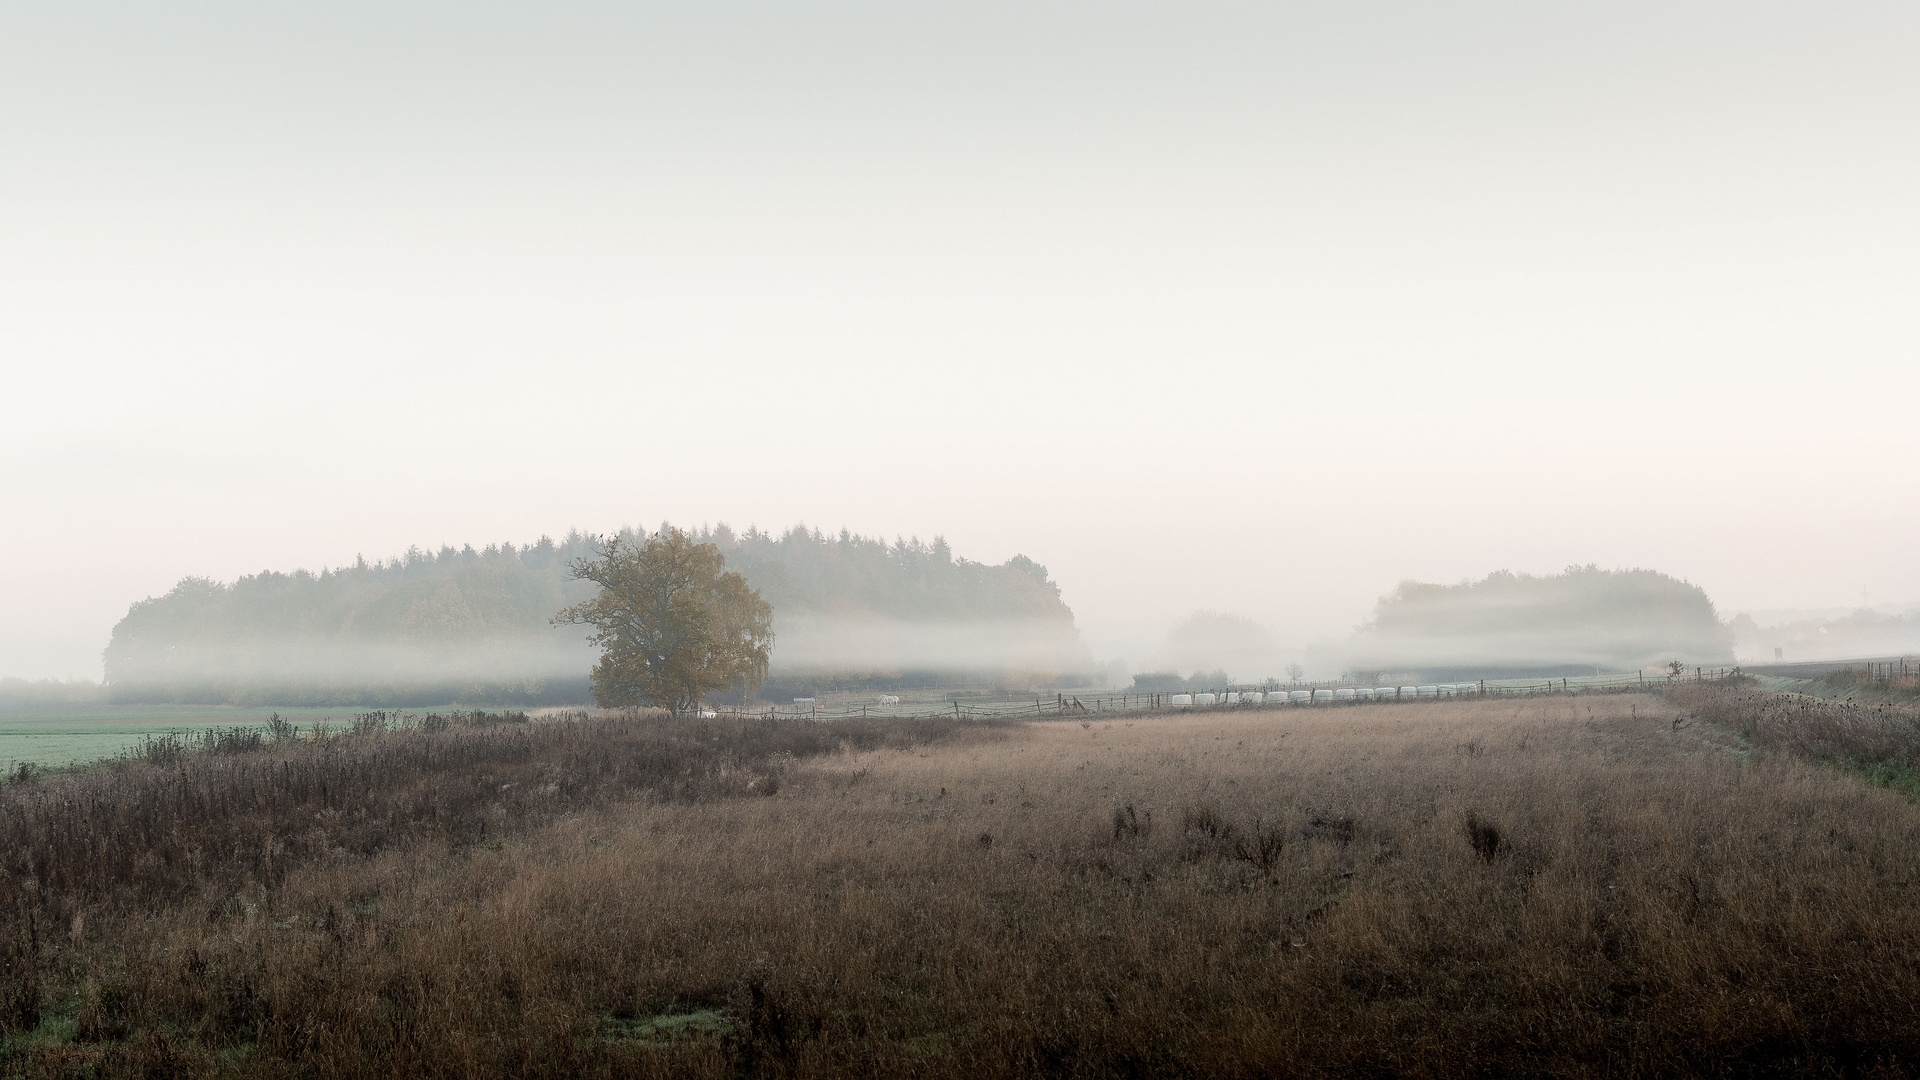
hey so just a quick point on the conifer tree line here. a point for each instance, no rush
(475, 625)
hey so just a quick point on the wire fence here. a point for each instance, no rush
(1080, 706)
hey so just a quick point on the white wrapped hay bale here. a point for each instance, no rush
(1180, 701)
(1204, 699)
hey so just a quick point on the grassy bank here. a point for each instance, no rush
(1879, 741)
(50, 738)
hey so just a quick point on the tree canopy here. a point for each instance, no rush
(672, 623)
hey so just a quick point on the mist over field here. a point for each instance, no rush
(1202, 538)
(1253, 309)
(1584, 620)
(849, 612)
(1857, 634)
(845, 643)
(476, 625)
(1584, 617)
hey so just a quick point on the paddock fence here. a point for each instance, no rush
(1070, 705)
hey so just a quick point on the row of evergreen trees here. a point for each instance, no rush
(473, 625)
(808, 571)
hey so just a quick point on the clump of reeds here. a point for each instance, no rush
(1129, 824)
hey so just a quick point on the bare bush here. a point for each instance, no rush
(1261, 845)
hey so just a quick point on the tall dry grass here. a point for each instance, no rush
(1880, 741)
(1892, 686)
(1567, 886)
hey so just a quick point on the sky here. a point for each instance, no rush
(1247, 307)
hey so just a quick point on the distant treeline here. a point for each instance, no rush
(19, 695)
(805, 570)
(1581, 620)
(857, 613)
(1171, 682)
(472, 626)
(424, 628)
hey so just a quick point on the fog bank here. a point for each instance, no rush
(1856, 635)
(1584, 617)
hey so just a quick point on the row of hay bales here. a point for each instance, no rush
(1320, 697)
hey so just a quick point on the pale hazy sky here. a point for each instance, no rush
(1253, 307)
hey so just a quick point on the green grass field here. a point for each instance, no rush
(52, 739)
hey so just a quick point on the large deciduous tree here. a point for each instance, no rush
(673, 624)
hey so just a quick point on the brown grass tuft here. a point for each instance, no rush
(1485, 837)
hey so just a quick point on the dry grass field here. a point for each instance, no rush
(1566, 886)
